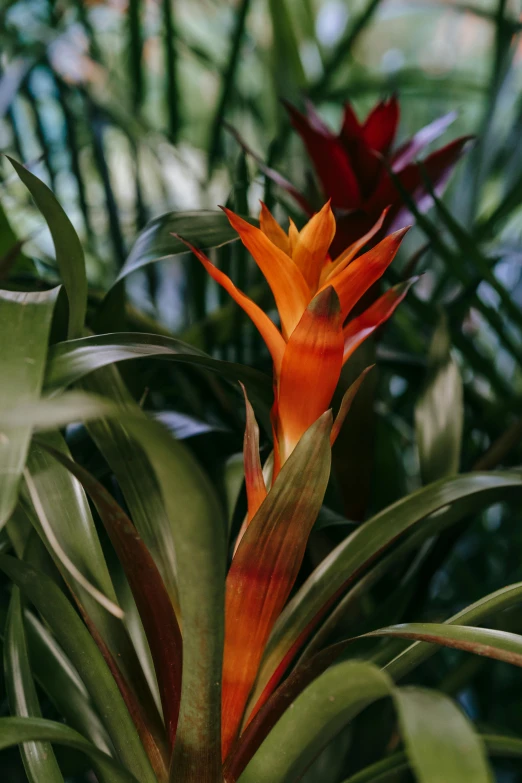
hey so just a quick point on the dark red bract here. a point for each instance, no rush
(353, 166)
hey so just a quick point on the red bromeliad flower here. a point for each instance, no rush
(353, 167)
(314, 295)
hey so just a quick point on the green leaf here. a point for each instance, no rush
(26, 319)
(439, 413)
(61, 682)
(353, 555)
(65, 507)
(69, 252)
(66, 565)
(203, 228)
(441, 743)
(387, 769)
(316, 716)
(69, 361)
(172, 90)
(39, 760)
(79, 646)
(233, 479)
(14, 731)
(135, 477)
(344, 47)
(356, 597)
(200, 541)
(500, 645)
(475, 614)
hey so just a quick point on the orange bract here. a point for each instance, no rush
(314, 295)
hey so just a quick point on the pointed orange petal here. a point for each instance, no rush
(254, 478)
(346, 404)
(310, 369)
(288, 285)
(362, 327)
(293, 235)
(311, 249)
(342, 261)
(271, 228)
(255, 483)
(353, 282)
(269, 332)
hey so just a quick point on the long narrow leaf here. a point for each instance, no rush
(266, 564)
(500, 645)
(38, 758)
(156, 242)
(386, 771)
(149, 592)
(61, 682)
(316, 716)
(69, 252)
(14, 731)
(72, 360)
(64, 506)
(476, 614)
(26, 318)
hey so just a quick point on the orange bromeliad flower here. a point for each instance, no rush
(314, 296)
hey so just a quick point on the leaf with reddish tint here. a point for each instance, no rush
(82, 652)
(346, 403)
(267, 717)
(254, 481)
(361, 327)
(152, 600)
(489, 642)
(266, 565)
(357, 278)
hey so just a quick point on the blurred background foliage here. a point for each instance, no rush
(121, 108)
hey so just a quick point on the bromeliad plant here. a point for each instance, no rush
(180, 662)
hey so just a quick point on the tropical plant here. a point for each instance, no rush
(169, 659)
(156, 517)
